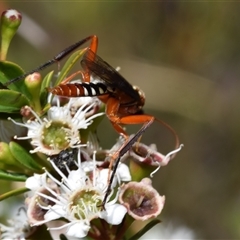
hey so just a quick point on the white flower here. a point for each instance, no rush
(75, 103)
(79, 198)
(36, 181)
(18, 228)
(59, 130)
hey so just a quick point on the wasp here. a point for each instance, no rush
(124, 102)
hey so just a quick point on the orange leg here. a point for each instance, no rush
(145, 119)
(112, 107)
(93, 48)
(69, 78)
(116, 157)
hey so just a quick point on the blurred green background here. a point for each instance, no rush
(185, 56)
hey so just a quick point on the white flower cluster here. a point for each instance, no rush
(77, 198)
(74, 191)
(75, 195)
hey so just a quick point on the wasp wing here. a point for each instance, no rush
(108, 74)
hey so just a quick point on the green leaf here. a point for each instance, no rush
(23, 156)
(46, 81)
(69, 65)
(10, 70)
(45, 84)
(12, 176)
(12, 101)
(12, 193)
(145, 229)
(46, 108)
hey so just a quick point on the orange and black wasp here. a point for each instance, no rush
(123, 101)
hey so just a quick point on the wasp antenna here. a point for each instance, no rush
(58, 57)
(177, 142)
(74, 46)
(41, 67)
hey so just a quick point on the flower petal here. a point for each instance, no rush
(124, 173)
(55, 212)
(78, 229)
(36, 181)
(113, 214)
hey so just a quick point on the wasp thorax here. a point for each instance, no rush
(141, 94)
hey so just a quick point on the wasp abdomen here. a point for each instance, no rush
(80, 89)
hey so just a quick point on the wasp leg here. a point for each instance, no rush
(126, 146)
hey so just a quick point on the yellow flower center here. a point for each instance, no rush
(85, 204)
(55, 135)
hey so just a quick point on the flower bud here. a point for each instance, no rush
(33, 83)
(10, 21)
